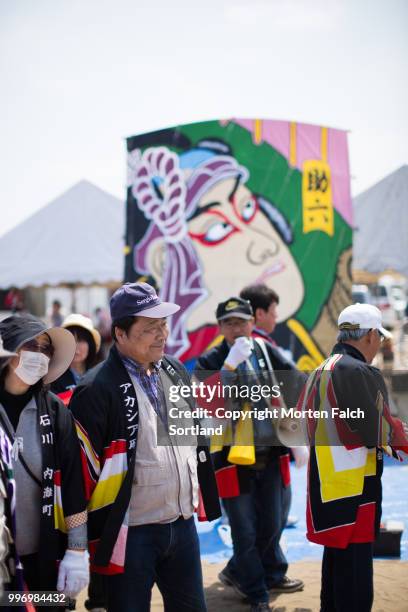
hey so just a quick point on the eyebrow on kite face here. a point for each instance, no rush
(237, 182)
(202, 209)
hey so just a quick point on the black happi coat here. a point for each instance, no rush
(61, 470)
(104, 405)
(235, 479)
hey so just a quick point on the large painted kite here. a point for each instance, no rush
(218, 205)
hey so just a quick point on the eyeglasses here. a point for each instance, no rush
(35, 347)
(232, 323)
(153, 330)
(381, 335)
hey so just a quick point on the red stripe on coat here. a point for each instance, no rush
(284, 464)
(227, 481)
(115, 448)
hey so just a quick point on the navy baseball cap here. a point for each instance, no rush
(139, 300)
(234, 307)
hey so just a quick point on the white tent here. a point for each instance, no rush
(77, 239)
(381, 225)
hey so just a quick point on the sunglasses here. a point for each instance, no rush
(35, 347)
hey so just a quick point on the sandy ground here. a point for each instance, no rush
(390, 582)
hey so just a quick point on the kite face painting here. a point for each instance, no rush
(218, 205)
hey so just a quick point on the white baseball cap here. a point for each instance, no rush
(362, 316)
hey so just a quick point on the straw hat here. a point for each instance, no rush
(78, 320)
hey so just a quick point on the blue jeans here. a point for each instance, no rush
(168, 555)
(257, 520)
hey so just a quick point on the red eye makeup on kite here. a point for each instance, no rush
(217, 230)
(246, 208)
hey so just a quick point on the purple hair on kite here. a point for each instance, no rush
(168, 200)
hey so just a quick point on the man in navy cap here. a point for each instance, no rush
(142, 492)
(252, 490)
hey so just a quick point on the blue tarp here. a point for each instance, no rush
(298, 548)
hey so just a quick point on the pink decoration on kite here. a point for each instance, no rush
(338, 150)
(308, 145)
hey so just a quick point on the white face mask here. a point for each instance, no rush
(32, 366)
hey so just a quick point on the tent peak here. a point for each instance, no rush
(399, 173)
(82, 185)
(75, 238)
(381, 218)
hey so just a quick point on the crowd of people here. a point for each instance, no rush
(95, 492)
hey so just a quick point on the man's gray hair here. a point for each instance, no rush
(351, 334)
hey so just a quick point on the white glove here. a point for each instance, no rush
(73, 573)
(301, 455)
(239, 352)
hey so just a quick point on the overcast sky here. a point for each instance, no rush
(78, 76)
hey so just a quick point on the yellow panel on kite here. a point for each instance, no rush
(317, 198)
